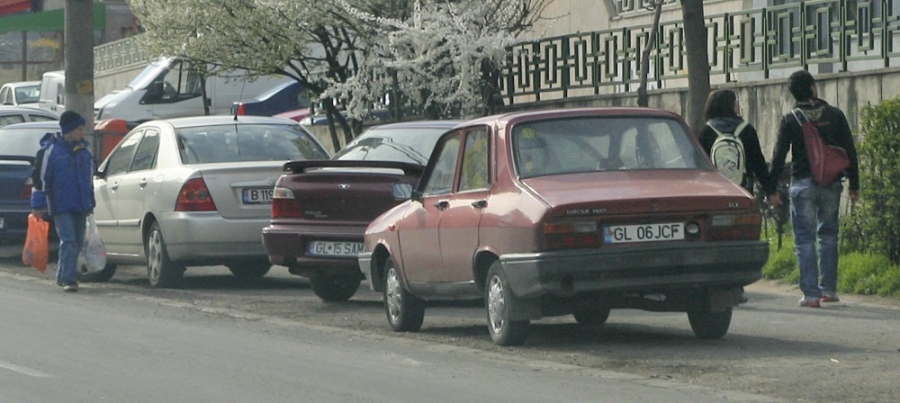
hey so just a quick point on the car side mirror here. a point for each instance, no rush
(402, 191)
(417, 196)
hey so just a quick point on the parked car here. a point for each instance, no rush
(282, 98)
(320, 209)
(19, 114)
(195, 192)
(18, 145)
(557, 212)
(23, 93)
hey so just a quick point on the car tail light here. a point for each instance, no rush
(26, 189)
(574, 235)
(284, 205)
(241, 109)
(735, 227)
(194, 196)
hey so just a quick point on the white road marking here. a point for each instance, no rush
(24, 370)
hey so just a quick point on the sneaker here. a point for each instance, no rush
(809, 302)
(829, 298)
(70, 287)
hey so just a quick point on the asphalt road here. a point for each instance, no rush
(775, 351)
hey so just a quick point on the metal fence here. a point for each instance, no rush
(832, 35)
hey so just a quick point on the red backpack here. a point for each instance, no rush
(827, 162)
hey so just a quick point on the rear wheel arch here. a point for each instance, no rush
(146, 223)
(480, 266)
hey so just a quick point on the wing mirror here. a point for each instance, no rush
(402, 191)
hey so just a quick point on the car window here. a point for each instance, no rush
(145, 156)
(120, 159)
(247, 142)
(474, 174)
(587, 144)
(6, 96)
(42, 118)
(440, 178)
(10, 119)
(412, 145)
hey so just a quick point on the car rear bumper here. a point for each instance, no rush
(686, 265)
(209, 237)
(287, 246)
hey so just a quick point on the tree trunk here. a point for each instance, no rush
(695, 35)
(643, 99)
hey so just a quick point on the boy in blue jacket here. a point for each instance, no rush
(63, 187)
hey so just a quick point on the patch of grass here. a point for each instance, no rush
(858, 273)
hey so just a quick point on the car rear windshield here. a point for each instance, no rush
(246, 142)
(21, 142)
(412, 145)
(588, 144)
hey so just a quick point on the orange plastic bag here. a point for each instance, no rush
(37, 243)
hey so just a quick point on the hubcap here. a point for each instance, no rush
(392, 294)
(154, 254)
(496, 305)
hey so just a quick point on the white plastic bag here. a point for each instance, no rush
(93, 250)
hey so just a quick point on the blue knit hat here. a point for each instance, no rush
(69, 121)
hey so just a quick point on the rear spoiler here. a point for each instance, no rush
(302, 166)
(27, 159)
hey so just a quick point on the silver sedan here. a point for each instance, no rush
(194, 192)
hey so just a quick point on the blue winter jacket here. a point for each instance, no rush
(63, 176)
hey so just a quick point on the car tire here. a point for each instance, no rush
(499, 299)
(592, 317)
(249, 270)
(405, 312)
(709, 325)
(161, 271)
(101, 276)
(335, 288)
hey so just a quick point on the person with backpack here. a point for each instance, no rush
(63, 187)
(733, 144)
(814, 206)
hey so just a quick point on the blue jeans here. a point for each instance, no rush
(814, 217)
(70, 227)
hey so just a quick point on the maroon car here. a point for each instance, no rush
(321, 208)
(578, 211)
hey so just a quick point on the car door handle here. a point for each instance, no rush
(114, 185)
(143, 183)
(442, 204)
(479, 203)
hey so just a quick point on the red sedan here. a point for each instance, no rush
(578, 211)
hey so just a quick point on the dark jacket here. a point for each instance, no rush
(756, 162)
(62, 177)
(833, 128)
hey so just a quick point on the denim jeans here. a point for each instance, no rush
(70, 227)
(814, 216)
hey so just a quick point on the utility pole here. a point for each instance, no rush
(79, 65)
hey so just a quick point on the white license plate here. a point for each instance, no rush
(1, 222)
(257, 196)
(643, 233)
(329, 248)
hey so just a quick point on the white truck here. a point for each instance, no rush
(170, 88)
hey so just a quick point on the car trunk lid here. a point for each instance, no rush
(242, 190)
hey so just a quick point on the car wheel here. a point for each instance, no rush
(498, 301)
(249, 270)
(161, 271)
(709, 325)
(101, 276)
(335, 288)
(405, 312)
(591, 316)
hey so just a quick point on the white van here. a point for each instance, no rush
(170, 88)
(53, 91)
